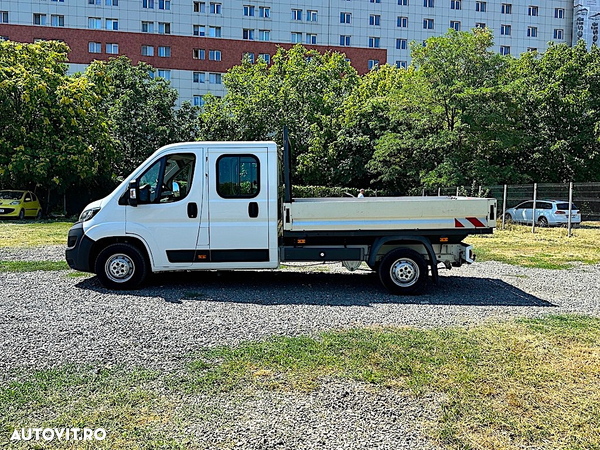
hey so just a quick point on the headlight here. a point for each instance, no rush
(88, 214)
(16, 202)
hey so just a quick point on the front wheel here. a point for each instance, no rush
(22, 214)
(121, 266)
(403, 272)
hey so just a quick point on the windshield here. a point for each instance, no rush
(11, 195)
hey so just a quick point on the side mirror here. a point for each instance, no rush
(133, 193)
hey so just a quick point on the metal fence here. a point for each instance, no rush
(586, 196)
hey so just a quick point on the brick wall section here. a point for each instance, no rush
(130, 44)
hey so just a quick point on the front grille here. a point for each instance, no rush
(6, 210)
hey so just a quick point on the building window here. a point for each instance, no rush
(199, 30)
(455, 4)
(163, 73)
(375, 19)
(264, 11)
(164, 4)
(214, 55)
(506, 8)
(199, 53)
(215, 8)
(164, 52)
(214, 78)
(533, 11)
(373, 63)
(200, 7)
(147, 27)
(454, 24)
(112, 49)
(296, 14)
(428, 24)
(94, 2)
(147, 50)
(94, 47)
(403, 2)
(375, 1)
(401, 64)
(62, 1)
(531, 31)
(311, 15)
(3, 16)
(311, 38)
(112, 24)
(214, 32)
(198, 100)
(559, 13)
(481, 6)
(199, 77)
(559, 34)
(39, 19)
(345, 17)
(264, 35)
(249, 57)
(505, 30)
(401, 44)
(345, 41)
(504, 50)
(532, 49)
(480, 25)
(402, 22)
(248, 10)
(57, 21)
(374, 42)
(94, 23)
(428, 3)
(149, 4)
(164, 27)
(265, 57)
(248, 34)
(296, 38)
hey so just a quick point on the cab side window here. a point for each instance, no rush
(238, 176)
(168, 180)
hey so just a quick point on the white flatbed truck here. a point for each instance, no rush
(228, 206)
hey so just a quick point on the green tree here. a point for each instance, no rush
(53, 133)
(141, 109)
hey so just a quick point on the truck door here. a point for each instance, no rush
(168, 213)
(238, 206)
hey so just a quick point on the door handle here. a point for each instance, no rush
(192, 210)
(253, 209)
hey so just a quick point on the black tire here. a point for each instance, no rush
(403, 272)
(22, 214)
(121, 267)
(38, 216)
(542, 222)
(508, 218)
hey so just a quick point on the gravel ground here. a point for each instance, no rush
(52, 318)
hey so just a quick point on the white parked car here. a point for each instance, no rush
(547, 213)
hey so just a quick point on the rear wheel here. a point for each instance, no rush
(39, 215)
(121, 266)
(508, 218)
(403, 272)
(542, 222)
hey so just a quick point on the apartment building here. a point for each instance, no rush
(193, 42)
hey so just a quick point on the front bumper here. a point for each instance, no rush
(79, 248)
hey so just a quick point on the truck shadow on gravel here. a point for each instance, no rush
(361, 288)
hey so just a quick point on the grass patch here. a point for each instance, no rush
(32, 266)
(522, 384)
(547, 248)
(34, 234)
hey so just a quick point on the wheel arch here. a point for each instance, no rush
(101, 244)
(403, 240)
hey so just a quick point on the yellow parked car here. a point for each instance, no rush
(19, 204)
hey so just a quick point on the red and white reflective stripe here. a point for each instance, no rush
(470, 222)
